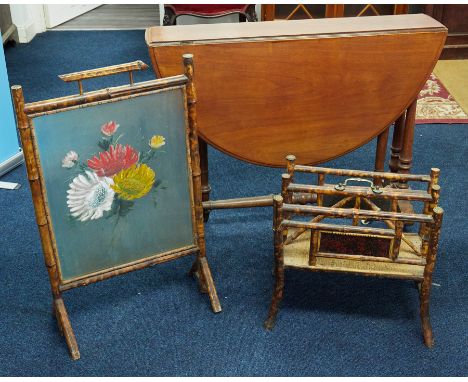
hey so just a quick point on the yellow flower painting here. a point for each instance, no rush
(157, 141)
(134, 182)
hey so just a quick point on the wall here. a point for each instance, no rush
(10, 155)
(29, 20)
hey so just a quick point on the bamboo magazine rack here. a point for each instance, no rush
(324, 243)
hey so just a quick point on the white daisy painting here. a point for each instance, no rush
(89, 196)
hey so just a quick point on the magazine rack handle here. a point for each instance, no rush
(341, 186)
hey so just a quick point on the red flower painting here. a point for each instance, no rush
(115, 159)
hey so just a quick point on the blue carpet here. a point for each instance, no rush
(155, 322)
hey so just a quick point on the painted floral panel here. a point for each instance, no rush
(117, 181)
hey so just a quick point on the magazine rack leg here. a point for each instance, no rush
(276, 299)
(65, 328)
(279, 264)
(425, 289)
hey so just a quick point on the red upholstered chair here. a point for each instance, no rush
(172, 11)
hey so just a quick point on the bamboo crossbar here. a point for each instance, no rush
(420, 262)
(390, 225)
(365, 273)
(363, 174)
(120, 270)
(390, 193)
(339, 228)
(103, 94)
(254, 201)
(316, 219)
(106, 71)
(357, 213)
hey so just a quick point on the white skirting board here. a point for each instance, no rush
(11, 163)
(9, 185)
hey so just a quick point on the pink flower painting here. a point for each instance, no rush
(109, 128)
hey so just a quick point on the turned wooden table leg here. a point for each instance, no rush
(406, 154)
(206, 189)
(397, 142)
(381, 150)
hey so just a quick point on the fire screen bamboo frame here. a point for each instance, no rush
(26, 113)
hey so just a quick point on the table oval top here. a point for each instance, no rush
(313, 88)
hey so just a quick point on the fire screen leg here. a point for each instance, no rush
(65, 328)
(201, 270)
(195, 271)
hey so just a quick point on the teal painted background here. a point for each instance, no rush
(8, 138)
(158, 222)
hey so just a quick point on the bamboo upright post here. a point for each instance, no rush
(320, 182)
(313, 247)
(205, 185)
(286, 196)
(42, 218)
(425, 290)
(397, 240)
(202, 264)
(435, 173)
(285, 182)
(291, 163)
(357, 206)
(279, 262)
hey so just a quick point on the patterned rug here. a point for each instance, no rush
(437, 105)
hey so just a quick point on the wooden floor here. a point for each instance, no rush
(115, 16)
